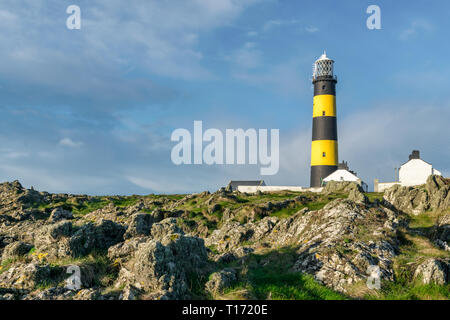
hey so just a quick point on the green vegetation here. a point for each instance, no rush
(289, 286)
(414, 249)
(267, 273)
(372, 196)
(123, 202)
(96, 268)
(403, 289)
(314, 203)
(423, 221)
(4, 266)
(276, 280)
(78, 208)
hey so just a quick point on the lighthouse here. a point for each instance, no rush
(324, 149)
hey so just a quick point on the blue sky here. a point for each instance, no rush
(92, 110)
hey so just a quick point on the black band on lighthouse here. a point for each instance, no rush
(325, 85)
(320, 172)
(324, 128)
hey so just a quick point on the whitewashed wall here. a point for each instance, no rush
(254, 189)
(342, 175)
(382, 186)
(415, 172)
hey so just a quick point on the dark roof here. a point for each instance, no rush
(344, 166)
(415, 155)
(235, 183)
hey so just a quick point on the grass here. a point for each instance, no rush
(287, 212)
(312, 205)
(423, 220)
(406, 290)
(82, 208)
(87, 207)
(123, 202)
(289, 286)
(4, 266)
(96, 268)
(275, 280)
(372, 196)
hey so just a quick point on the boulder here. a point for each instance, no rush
(15, 250)
(124, 251)
(59, 214)
(357, 196)
(25, 276)
(167, 226)
(441, 230)
(434, 195)
(53, 240)
(341, 187)
(165, 267)
(99, 236)
(220, 280)
(433, 271)
(140, 225)
(129, 293)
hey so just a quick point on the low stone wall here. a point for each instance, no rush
(382, 186)
(254, 189)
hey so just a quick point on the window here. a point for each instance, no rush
(324, 154)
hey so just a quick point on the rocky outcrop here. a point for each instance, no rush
(221, 280)
(433, 271)
(172, 247)
(434, 195)
(354, 190)
(91, 237)
(140, 225)
(59, 214)
(61, 239)
(14, 198)
(53, 240)
(15, 250)
(162, 267)
(441, 230)
(25, 276)
(337, 244)
(162, 263)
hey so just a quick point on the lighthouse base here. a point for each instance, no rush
(318, 173)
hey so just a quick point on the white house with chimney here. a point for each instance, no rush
(414, 172)
(343, 173)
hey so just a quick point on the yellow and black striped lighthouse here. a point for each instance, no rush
(324, 150)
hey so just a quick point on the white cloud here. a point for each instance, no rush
(67, 142)
(416, 27)
(271, 24)
(162, 37)
(247, 57)
(12, 154)
(283, 77)
(311, 29)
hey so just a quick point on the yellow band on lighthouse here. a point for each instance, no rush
(324, 105)
(324, 153)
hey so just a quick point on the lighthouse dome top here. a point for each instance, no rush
(323, 66)
(324, 57)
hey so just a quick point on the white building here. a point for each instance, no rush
(412, 173)
(343, 173)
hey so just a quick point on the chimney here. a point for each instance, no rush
(414, 155)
